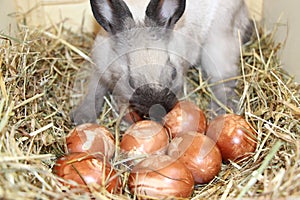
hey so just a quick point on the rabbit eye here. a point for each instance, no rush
(131, 82)
(174, 73)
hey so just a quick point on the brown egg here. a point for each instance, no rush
(161, 176)
(86, 169)
(184, 117)
(132, 117)
(233, 135)
(143, 138)
(199, 154)
(91, 138)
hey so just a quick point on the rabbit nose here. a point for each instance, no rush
(152, 101)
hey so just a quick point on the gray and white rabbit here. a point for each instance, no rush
(150, 44)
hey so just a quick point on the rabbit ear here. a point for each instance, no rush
(165, 12)
(112, 15)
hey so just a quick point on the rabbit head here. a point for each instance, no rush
(145, 71)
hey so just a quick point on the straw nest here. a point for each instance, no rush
(39, 81)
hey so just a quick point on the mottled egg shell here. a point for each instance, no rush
(199, 154)
(144, 138)
(91, 138)
(233, 135)
(184, 117)
(160, 176)
(85, 169)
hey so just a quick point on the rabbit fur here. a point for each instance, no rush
(150, 44)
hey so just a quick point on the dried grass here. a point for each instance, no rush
(38, 80)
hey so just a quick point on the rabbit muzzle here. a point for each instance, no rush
(152, 101)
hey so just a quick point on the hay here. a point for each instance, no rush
(37, 82)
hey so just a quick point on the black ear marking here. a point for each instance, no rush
(174, 73)
(112, 15)
(165, 13)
